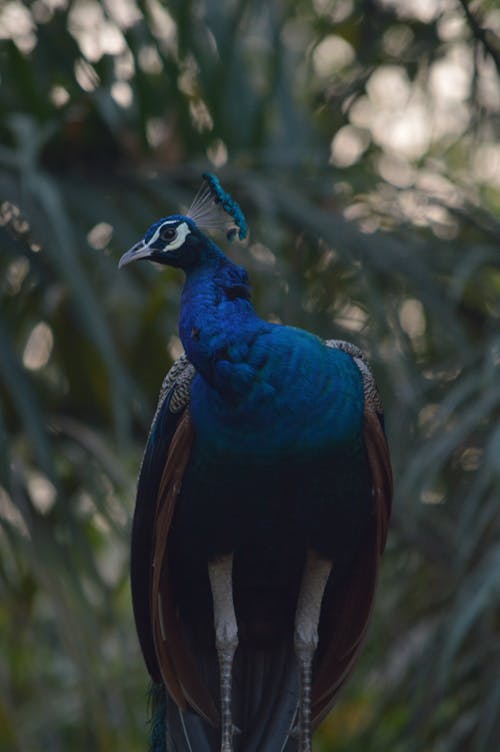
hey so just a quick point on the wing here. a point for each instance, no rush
(346, 611)
(165, 459)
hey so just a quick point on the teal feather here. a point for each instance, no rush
(158, 704)
(228, 204)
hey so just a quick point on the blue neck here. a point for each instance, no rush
(217, 315)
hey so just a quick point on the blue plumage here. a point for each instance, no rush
(262, 508)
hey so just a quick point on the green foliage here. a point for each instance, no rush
(359, 139)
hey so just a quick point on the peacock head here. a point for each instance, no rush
(179, 240)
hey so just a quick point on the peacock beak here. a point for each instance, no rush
(138, 251)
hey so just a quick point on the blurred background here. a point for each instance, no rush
(361, 139)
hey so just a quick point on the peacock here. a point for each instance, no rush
(262, 508)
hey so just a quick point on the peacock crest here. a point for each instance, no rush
(214, 209)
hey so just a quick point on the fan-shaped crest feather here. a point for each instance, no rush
(214, 209)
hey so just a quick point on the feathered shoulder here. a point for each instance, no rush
(178, 378)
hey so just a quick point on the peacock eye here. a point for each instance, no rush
(168, 233)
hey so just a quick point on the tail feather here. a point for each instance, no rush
(271, 699)
(158, 703)
(188, 732)
(265, 698)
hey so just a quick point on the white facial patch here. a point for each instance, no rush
(182, 233)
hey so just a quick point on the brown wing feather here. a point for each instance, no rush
(346, 613)
(179, 673)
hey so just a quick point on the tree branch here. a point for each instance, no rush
(486, 37)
